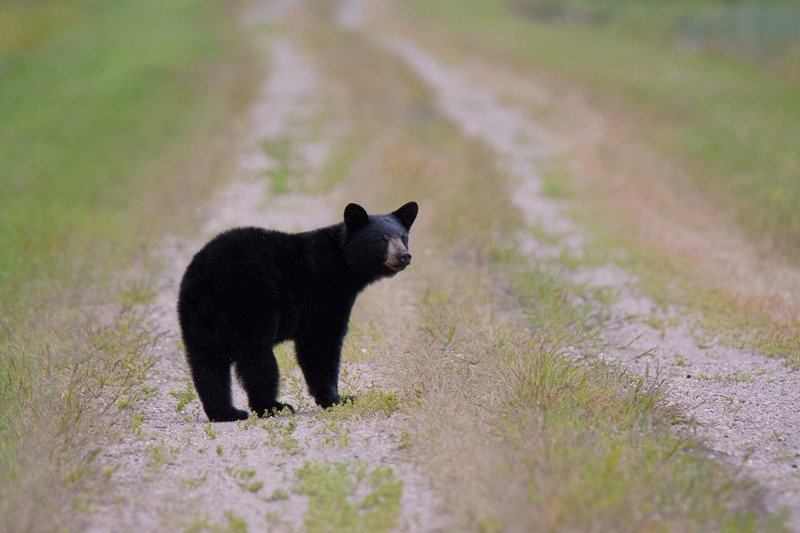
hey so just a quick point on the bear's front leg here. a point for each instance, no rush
(319, 360)
(257, 370)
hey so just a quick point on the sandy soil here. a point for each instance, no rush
(179, 469)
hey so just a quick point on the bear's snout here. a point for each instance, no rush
(397, 255)
(404, 258)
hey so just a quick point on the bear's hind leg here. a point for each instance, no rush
(258, 373)
(213, 385)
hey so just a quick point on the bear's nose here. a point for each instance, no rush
(405, 258)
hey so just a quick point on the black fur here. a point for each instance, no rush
(249, 289)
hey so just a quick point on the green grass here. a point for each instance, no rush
(104, 106)
(346, 497)
(733, 118)
(91, 113)
(284, 168)
(599, 433)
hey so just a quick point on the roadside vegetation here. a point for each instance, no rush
(108, 134)
(515, 431)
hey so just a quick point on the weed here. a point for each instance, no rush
(335, 433)
(210, 431)
(193, 483)
(236, 524)
(737, 376)
(279, 435)
(252, 421)
(275, 521)
(337, 500)
(369, 402)
(244, 479)
(277, 495)
(137, 423)
(110, 470)
(184, 396)
(157, 455)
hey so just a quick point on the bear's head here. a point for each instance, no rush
(376, 246)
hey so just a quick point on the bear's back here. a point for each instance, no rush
(241, 278)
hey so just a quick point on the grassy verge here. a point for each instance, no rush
(104, 107)
(687, 75)
(516, 434)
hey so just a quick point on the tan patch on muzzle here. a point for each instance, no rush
(397, 255)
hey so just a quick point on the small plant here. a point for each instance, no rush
(336, 433)
(735, 377)
(244, 479)
(157, 454)
(334, 497)
(193, 483)
(210, 431)
(252, 421)
(279, 435)
(184, 396)
(236, 524)
(371, 402)
(110, 470)
(277, 495)
(137, 423)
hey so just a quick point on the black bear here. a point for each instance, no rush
(249, 289)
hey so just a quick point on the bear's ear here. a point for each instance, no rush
(407, 214)
(355, 217)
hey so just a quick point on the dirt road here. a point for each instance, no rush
(178, 471)
(747, 405)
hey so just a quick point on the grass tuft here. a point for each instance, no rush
(346, 497)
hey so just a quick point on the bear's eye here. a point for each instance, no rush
(385, 238)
